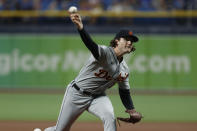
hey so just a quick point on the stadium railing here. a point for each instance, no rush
(135, 14)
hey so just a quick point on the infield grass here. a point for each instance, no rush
(45, 107)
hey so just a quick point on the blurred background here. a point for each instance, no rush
(41, 52)
(101, 16)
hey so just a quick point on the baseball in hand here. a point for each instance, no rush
(37, 129)
(72, 9)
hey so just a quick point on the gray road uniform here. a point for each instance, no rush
(98, 75)
(87, 90)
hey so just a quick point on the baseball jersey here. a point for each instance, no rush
(99, 74)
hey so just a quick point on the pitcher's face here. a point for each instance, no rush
(125, 45)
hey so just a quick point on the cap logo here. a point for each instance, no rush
(130, 33)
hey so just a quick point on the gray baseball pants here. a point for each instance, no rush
(75, 103)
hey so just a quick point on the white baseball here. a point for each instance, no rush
(72, 9)
(37, 129)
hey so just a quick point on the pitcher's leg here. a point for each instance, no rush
(50, 128)
(69, 112)
(102, 108)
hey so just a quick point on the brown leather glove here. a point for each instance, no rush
(134, 117)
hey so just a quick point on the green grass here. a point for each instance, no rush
(46, 107)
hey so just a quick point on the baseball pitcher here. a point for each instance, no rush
(104, 68)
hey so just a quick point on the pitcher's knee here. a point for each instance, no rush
(108, 117)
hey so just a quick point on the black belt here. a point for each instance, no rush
(84, 92)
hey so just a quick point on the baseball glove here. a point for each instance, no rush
(135, 117)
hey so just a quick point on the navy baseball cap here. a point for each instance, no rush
(126, 34)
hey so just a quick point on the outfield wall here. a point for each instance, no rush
(52, 61)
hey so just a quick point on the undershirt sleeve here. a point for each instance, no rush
(126, 98)
(89, 43)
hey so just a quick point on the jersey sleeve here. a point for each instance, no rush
(124, 84)
(102, 52)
